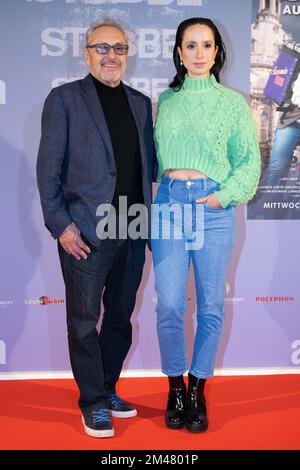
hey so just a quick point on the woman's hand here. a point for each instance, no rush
(210, 200)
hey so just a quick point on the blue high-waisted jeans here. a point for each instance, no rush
(172, 256)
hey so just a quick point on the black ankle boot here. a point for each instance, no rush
(196, 413)
(175, 413)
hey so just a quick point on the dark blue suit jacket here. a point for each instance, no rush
(76, 168)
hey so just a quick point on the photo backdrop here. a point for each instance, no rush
(41, 46)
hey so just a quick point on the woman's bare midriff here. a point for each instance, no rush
(184, 174)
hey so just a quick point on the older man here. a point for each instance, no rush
(96, 146)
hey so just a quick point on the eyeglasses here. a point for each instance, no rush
(104, 48)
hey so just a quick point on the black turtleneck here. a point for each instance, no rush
(124, 138)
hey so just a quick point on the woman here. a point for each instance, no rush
(209, 162)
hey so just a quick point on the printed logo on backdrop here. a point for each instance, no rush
(232, 300)
(295, 358)
(6, 303)
(2, 352)
(43, 300)
(2, 92)
(276, 299)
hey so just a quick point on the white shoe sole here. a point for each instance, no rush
(123, 414)
(94, 433)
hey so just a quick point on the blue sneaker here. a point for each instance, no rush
(97, 423)
(120, 408)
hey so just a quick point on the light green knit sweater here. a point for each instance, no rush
(208, 127)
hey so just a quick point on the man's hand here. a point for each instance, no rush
(72, 242)
(210, 200)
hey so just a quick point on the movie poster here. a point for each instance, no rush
(275, 103)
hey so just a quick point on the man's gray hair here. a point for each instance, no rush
(101, 24)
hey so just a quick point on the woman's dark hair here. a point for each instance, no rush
(220, 57)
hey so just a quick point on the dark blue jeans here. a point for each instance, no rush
(96, 358)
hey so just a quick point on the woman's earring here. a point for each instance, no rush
(181, 63)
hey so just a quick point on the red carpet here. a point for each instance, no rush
(261, 412)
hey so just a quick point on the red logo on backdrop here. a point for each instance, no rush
(44, 300)
(276, 299)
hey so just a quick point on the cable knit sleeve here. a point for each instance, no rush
(244, 157)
